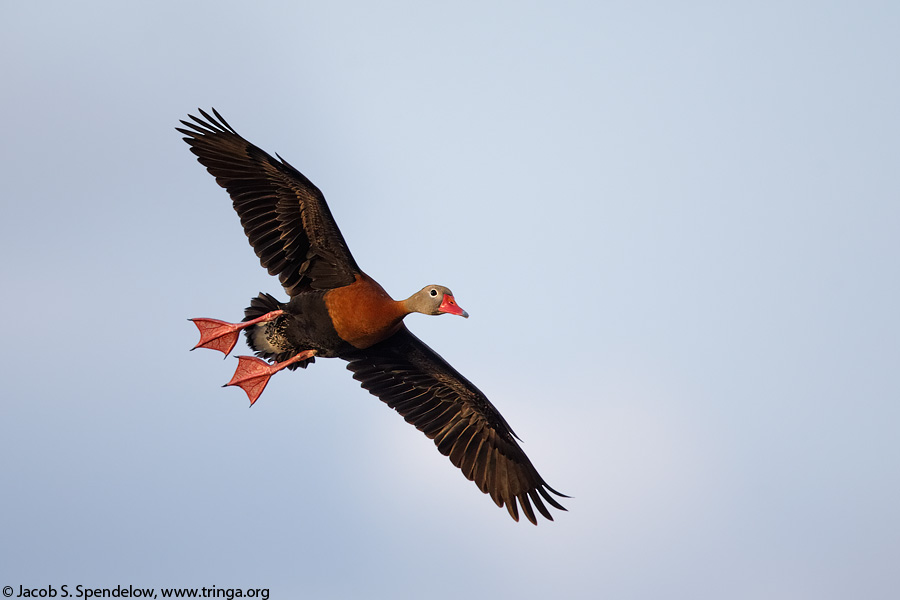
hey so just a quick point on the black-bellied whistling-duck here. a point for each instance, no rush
(336, 310)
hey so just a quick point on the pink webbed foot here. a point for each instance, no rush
(221, 335)
(253, 373)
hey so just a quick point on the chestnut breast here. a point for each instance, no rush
(363, 313)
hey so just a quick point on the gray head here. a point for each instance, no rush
(434, 300)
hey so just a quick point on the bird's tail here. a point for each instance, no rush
(268, 340)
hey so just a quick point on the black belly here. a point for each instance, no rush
(307, 326)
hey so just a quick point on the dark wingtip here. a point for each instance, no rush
(545, 490)
(560, 494)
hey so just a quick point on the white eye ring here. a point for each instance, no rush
(433, 292)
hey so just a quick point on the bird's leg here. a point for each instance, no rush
(221, 335)
(253, 374)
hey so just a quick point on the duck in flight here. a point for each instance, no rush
(337, 311)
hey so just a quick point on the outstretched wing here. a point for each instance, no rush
(284, 215)
(412, 379)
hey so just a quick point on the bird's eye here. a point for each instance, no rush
(433, 292)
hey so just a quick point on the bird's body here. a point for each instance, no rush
(333, 322)
(337, 311)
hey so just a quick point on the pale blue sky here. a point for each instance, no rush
(675, 225)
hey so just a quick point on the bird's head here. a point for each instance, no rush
(435, 300)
